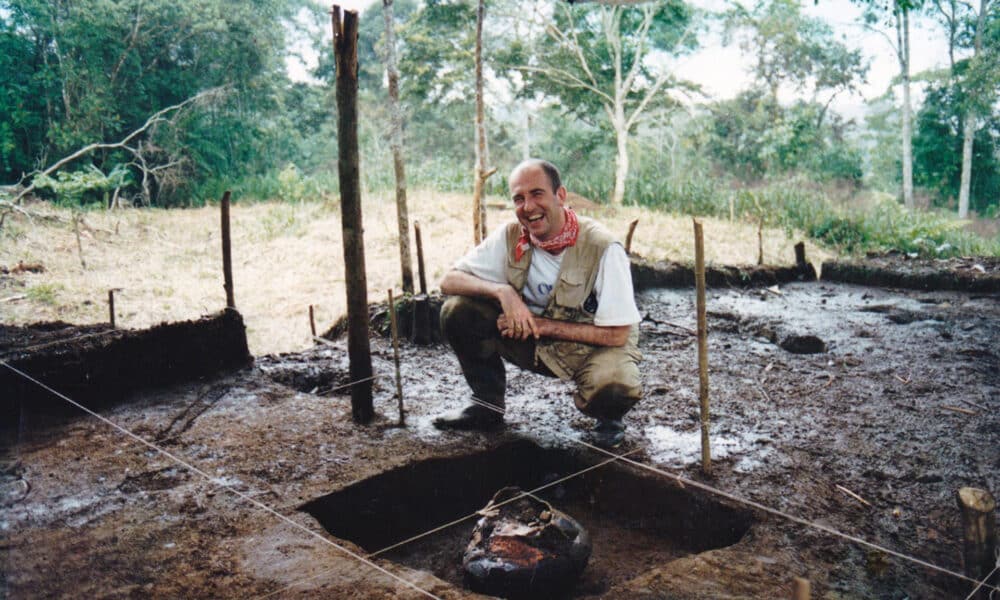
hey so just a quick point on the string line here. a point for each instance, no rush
(773, 511)
(456, 521)
(987, 578)
(221, 484)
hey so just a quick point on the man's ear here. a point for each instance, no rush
(561, 195)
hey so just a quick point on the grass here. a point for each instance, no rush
(43, 293)
(286, 257)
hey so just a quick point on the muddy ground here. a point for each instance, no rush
(897, 403)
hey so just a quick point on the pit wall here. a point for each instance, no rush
(664, 274)
(100, 369)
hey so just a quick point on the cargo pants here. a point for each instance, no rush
(607, 379)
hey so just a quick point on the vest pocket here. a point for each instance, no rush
(571, 292)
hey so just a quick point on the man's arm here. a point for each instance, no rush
(520, 322)
(596, 335)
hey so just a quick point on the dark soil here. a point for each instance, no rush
(895, 402)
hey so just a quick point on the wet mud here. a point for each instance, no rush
(857, 409)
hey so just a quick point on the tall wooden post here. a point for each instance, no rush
(227, 255)
(699, 280)
(345, 49)
(396, 145)
(481, 174)
(420, 257)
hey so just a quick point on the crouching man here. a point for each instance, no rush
(551, 293)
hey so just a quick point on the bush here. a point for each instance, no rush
(75, 188)
(797, 205)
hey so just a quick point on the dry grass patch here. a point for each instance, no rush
(167, 263)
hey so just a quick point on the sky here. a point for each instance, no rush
(722, 71)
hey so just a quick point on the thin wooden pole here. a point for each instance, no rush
(420, 257)
(478, 206)
(699, 278)
(628, 238)
(396, 145)
(979, 526)
(345, 43)
(312, 321)
(760, 241)
(801, 589)
(227, 257)
(111, 307)
(395, 356)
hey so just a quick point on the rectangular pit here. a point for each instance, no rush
(636, 520)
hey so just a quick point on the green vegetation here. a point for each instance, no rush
(587, 85)
(44, 293)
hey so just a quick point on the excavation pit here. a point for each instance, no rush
(637, 520)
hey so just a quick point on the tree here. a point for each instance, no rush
(754, 136)
(797, 52)
(88, 71)
(611, 60)
(895, 16)
(937, 145)
(967, 29)
(980, 73)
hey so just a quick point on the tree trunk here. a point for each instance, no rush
(345, 42)
(969, 129)
(478, 207)
(396, 144)
(903, 31)
(621, 162)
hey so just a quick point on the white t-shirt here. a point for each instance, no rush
(613, 287)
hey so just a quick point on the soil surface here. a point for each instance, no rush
(854, 409)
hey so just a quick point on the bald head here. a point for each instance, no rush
(550, 170)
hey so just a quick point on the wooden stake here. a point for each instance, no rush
(312, 321)
(760, 241)
(111, 307)
(979, 526)
(420, 333)
(800, 254)
(395, 356)
(699, 280)
(345, 45)
(800, 589)
(420, 257)
(227, 257)
(628, 238)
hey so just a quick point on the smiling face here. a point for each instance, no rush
(538, 207)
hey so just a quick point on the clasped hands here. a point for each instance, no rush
(516, 321)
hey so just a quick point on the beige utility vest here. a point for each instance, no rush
(569, 298)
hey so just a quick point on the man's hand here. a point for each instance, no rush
(509, 328)
(516, 321)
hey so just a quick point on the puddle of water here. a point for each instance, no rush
(674, 448)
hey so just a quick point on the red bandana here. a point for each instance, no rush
(564, 239)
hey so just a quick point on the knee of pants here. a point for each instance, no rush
(608, 386)
(462, 316)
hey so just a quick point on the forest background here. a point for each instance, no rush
(174, 102)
